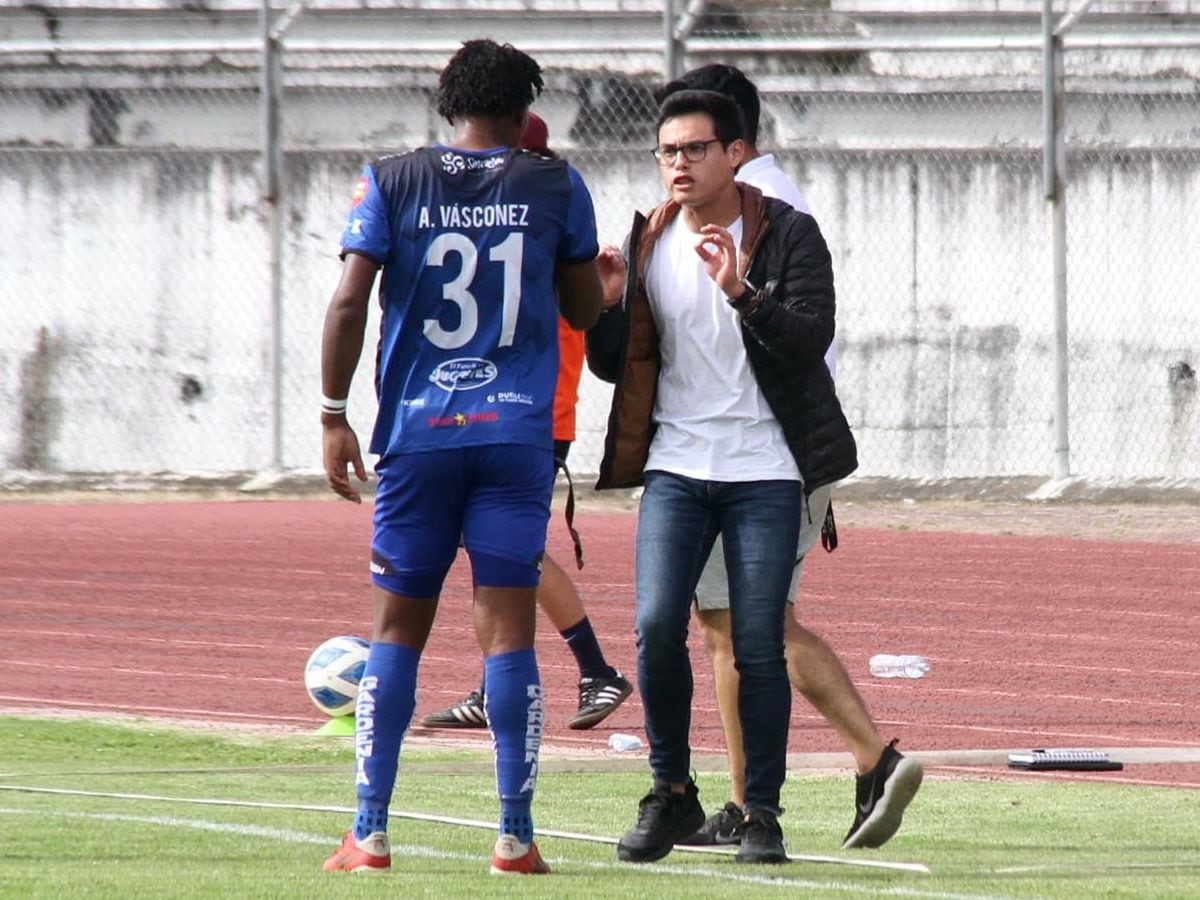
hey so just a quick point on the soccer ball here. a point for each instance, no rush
(333, 672)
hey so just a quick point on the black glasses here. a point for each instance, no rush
(693, 151)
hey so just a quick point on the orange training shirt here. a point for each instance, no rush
(566, 390)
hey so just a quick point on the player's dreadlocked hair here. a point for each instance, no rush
(487, 79)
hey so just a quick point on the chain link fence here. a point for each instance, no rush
(137, 331)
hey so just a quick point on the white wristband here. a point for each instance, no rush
(329, 405)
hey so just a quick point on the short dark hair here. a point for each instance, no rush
(727, 118)
(728, 80)
(488, 80)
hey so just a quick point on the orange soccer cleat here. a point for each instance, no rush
(511, 857)
(372, 854)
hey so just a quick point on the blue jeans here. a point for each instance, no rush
(759, 523)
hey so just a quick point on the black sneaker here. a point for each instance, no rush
(762, 839)
(466, 713)
(722, 827)
(664, 818)
(881, 797)
(598, 698)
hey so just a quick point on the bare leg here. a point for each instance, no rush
(814, 670)
(716, 627)
(402, 620)
(505, 619)
(601, 687)
(817, 673)
(558, 597)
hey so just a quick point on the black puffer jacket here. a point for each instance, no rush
(786, 337)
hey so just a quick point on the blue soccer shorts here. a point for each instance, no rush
(494, 499)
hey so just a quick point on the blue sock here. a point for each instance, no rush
(588, 656)
(516, 715)
(387, 696)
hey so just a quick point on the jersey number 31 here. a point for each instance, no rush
(508, 253)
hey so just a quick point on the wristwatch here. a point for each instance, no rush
(748, 299)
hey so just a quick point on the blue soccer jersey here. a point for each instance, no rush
(468, 242)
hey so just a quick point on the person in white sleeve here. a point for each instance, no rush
(886, 780)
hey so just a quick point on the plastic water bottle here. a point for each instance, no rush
(625, 743)
(887, 665)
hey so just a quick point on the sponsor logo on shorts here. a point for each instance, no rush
(379, 565)
(464, 374)
(460, 420)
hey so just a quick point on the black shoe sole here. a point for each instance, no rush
(701, 838)
(455, 724)
(884, 821)
(642, 855)
(651, 854)
(583, 721)
(707, 840)
(769, 857)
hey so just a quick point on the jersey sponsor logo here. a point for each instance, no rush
(413, 402)
(360, 191)
(511, 397)
(464, 374)
(456, 163)
(461, 420)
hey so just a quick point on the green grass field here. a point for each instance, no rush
(978, 838)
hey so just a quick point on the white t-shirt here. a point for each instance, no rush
(713, 422)
(762, 173)
(769, 178)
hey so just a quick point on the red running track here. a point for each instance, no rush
(209, 610)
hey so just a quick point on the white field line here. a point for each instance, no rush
(1041, 737)
(419, 852)
(213, 714)
(1064, 667)
(1038, 736)
(1084, 698)
(197, 615)
(1082, 775)
(223, 617)
(1066, 638)
(926, 688)
(148, 639)
(443, 820)
(236, 677)
(1104, 867)
(829, 598)
(968, 762)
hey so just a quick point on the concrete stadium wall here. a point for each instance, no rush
(135, 326)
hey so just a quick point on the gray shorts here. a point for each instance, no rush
(712, 591)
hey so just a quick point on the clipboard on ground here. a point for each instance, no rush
(1065, 759)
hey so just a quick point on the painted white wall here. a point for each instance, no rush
(129, 279)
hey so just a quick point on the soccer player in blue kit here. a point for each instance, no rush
(481, 246)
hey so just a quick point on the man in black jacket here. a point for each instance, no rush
(725, 411)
